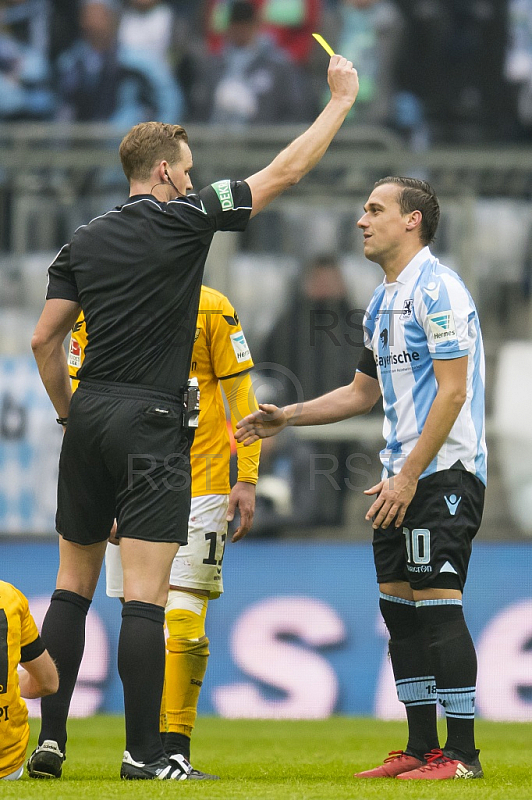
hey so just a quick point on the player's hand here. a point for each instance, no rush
(267, 421)
(242, 497)
(394, 496)
(342, 79)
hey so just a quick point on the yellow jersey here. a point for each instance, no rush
(17, 633)
(220, 351)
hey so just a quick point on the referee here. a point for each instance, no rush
(136, 273)
(424, 354)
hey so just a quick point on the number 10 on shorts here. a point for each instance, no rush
(417, 545)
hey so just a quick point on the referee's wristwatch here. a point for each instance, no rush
(62, 421)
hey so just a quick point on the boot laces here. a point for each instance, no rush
(393, 754)
(436, 758)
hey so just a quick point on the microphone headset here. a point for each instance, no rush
(172, 184)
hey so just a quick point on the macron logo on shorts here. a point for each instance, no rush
(452, 503)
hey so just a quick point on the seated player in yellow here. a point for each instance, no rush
(220, 357)
(20, 643)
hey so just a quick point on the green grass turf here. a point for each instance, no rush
(291, 760)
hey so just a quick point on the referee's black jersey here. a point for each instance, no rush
(136, 271)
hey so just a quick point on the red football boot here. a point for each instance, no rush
(440, 767)
(396, 763)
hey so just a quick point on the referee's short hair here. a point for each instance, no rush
(417, 195)
(148, 143)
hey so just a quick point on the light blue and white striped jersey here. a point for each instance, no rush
(426, 314)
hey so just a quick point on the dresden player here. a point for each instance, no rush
(20, 643)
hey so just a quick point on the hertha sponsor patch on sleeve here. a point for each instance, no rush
(442, 326)
(240, 346)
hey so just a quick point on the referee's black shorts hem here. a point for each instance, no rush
(75, 540)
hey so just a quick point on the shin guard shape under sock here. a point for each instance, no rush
(454, 663)
(141, 654)
(63, 634)
(413, 674)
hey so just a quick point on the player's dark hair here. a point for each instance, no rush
(418, 195)
(148, 143)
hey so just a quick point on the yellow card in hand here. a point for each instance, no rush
(326, 46)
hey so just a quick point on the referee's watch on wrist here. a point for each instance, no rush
(62, 421)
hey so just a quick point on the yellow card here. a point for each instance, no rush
(326, 46)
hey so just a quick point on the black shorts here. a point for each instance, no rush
(125, 454)
(432, 547)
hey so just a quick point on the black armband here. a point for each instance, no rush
(32, 651)
(367, 364)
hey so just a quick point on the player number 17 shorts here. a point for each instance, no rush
(198, 564)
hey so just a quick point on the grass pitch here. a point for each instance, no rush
(261, 760)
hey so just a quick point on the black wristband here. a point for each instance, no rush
(62, 420)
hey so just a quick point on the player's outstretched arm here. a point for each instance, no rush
(265, 422)
(352, 400)
(39, 677)
(303, 153)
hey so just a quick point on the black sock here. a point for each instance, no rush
(413, 674)
(454, 663)
(63, 634)
(141, 657)
(177, 743)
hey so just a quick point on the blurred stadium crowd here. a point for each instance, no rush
(432, 70)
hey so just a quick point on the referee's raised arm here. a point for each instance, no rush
(303, 153)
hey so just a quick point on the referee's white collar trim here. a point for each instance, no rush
(413, 266)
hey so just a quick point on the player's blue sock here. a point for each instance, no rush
(141, 656)
(63, 633)
(413, 674)
(454, 663)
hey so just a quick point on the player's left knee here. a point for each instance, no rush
(188, 647)
(185, 616)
